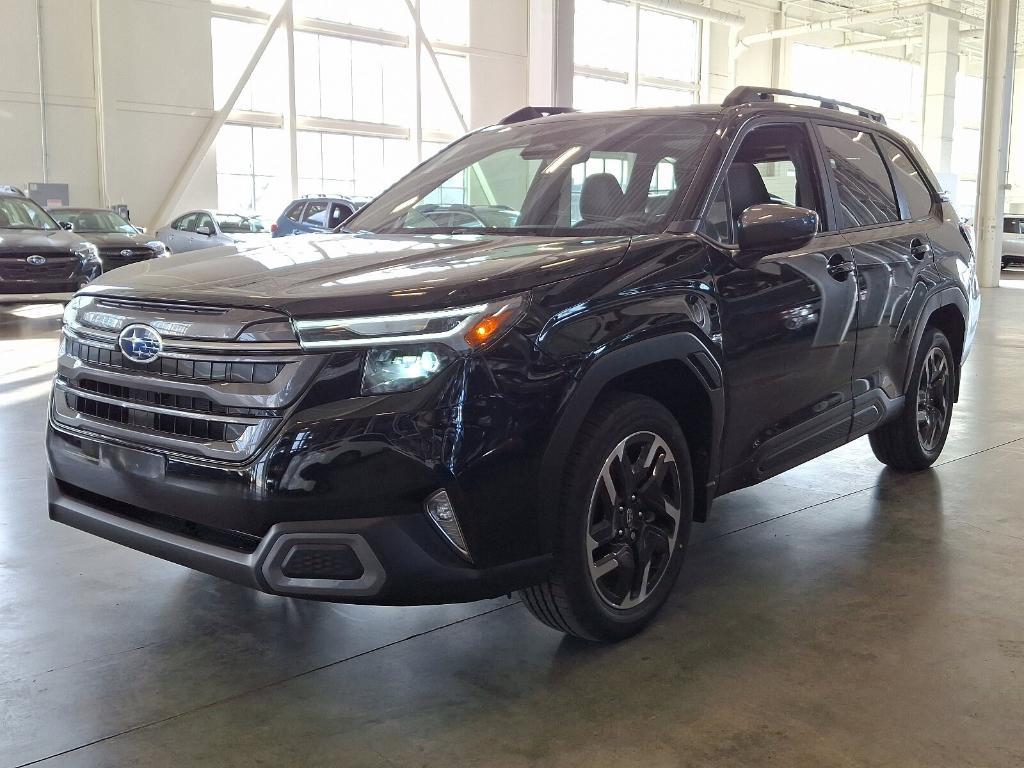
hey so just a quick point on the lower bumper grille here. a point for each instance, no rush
(191, 427)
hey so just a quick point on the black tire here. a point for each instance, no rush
(573, 600)
(904, 443)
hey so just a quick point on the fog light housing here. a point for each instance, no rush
(441, 512)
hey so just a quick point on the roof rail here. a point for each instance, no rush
(748, 94)
(532, 113)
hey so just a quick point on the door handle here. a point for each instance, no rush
(919, 249)
(840, 267)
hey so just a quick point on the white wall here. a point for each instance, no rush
(157, 79)
(498, 39)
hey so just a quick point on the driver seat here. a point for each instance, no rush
(601, 199)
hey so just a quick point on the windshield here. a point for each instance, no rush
(606, 175)
(22, 213)
(97, 221)
(231, 224)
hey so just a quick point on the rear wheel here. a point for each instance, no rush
(915, 439)
(627, 507)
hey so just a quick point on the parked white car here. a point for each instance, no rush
(1013, 241)
(197, 230)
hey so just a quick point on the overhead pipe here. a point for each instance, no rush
(896, 42)
(694, 11)
(853, 20)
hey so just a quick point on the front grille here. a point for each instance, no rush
(114, 258)
(55, 268)
(219, 390)
(190, 427)
(192, 370)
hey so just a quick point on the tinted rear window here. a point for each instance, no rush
(908, 179)
(866, 193)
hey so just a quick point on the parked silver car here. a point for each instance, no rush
(1013, 241)
(197, 230)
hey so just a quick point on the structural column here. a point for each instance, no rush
(941, 61)
(551, 53)
(1000, 37)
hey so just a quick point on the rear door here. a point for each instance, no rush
(314, 217)
(886, 211)
(787, 322)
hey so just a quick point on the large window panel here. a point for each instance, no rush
(669, 46)
(335, 77)
(446, 20)
(854, 76)
(602, 36)
(233, 44)
(251, 173)
(594, 93)
(652, 96)
(438, 113)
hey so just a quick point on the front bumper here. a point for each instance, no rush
(401, 558)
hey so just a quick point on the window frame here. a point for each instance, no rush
(834, 187)
(900, 143)
(827, 216)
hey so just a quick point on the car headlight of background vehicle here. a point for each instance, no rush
(158, 248)
(405, 351)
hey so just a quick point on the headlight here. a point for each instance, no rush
(397, 369)
(157, 247)
(87, 251)
(459, 329)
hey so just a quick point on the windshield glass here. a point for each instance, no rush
(97, 221)
(606, 175)
(231, 224)
(22, 213)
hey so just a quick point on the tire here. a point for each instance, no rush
(907, 444)
(599, 592)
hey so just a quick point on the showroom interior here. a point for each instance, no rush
(840, 613)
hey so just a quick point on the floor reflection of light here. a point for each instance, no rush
(38, 311)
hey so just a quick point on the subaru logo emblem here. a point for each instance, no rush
(127, 252)
(36, 260)
(140, 343)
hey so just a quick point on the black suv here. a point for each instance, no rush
(40, 261)
(689, 301)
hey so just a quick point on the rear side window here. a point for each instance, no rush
(866, 195)
(295, 212)
(338, 214)
(315, 213)
(908, 180)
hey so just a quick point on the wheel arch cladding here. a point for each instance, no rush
(678, 371)
(947, 311)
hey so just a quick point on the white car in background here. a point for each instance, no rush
(1013, 241)
(196, 230)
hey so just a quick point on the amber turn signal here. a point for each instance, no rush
(488, 327)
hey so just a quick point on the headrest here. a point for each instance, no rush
(746, 187)
(601, 198)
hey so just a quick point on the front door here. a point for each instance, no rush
(788, 330)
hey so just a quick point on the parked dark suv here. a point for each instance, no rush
(426, 414)
(40, 261)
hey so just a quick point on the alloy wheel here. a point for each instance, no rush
(633, 523)
(934, 399)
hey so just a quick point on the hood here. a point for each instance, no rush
(28, 242)
(114, 239)
(326, 274)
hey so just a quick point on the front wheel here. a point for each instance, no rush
(915, 439)
(626, 512)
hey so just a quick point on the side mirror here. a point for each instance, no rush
(67, 225)
(769, 228)
(204, 230)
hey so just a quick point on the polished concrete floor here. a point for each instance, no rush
(838, 615)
